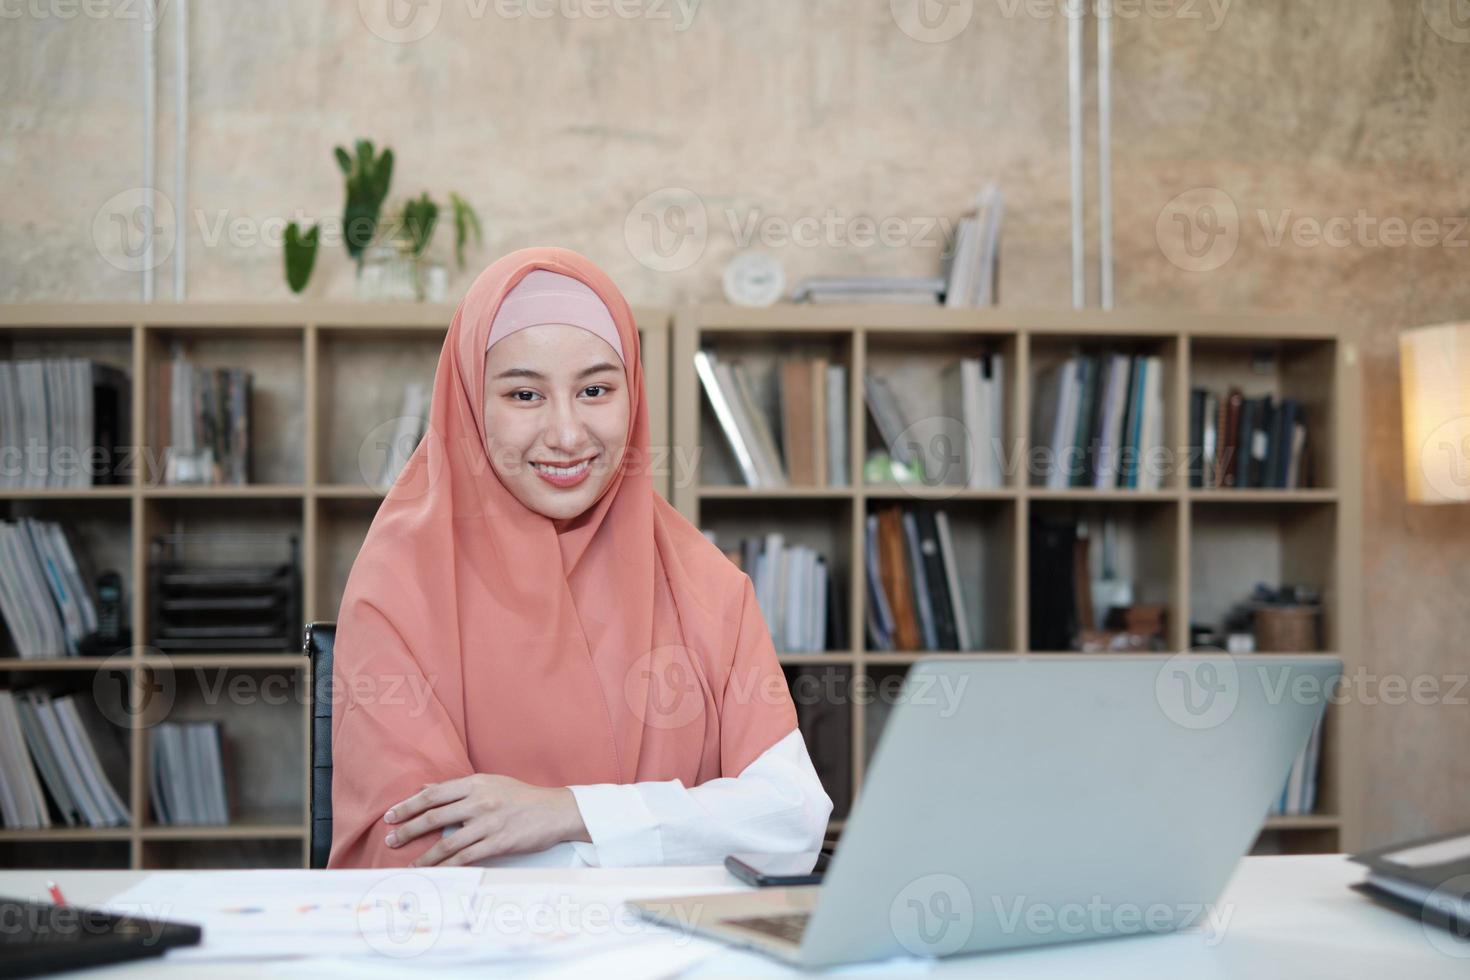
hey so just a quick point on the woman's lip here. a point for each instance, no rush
(565, 482)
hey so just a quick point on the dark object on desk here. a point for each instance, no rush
(224, 591)
(38, 938)
(320, 639)
(1426, 879)
(779, 870)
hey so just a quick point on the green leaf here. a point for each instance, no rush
(300, 252)
(367, 179)
(466, 223)
(419, 218)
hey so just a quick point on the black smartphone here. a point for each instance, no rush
(772, 870)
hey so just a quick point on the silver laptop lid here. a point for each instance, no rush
(1017, 801)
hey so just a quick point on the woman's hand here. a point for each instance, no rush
(497, 815)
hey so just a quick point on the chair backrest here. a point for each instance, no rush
(318, 649)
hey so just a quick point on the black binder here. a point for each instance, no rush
(1437, 893)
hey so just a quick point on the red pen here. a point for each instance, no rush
(55, 893)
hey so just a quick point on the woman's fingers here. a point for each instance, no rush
(432, 795)
(439, 816)
(488, 846)
(448, 847)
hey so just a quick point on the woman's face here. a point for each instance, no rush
(556, 416)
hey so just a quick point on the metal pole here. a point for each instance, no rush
(181, 140)
(150, 79)
(1074, 101)
(1105, 150)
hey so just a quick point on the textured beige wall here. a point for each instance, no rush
(778, 110)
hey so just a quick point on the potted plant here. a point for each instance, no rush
(392, 251)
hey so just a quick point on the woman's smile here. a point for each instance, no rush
(564, 476)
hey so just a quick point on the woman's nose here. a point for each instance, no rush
(565, 430)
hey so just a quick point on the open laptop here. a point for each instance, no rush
(1021, 801)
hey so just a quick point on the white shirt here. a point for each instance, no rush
(775, 806)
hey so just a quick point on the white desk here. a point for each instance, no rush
(1288, 917)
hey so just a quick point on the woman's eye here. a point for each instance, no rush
(595, 388)
(517, 395)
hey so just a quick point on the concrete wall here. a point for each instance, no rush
(760, 113)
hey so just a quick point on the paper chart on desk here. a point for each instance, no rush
(275, 913)
(431, 915)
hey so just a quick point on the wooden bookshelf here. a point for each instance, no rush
(324, 393)
(1197, 550)
(324, 376)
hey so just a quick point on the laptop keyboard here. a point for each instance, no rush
(789, 926)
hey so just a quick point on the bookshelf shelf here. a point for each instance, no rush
(56, 663)
(321, 371)
(257, 827)
(826, 657)
(90, 493)
(1084, 494)
(1195, 551)
(903, 491)
(238, 661)
(226, 492)
(775, 493)
(60, 834)
(1263, 496)
(1312, 822)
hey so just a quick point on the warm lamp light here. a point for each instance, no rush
(1434, 369)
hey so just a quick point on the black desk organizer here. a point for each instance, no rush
(224, 592)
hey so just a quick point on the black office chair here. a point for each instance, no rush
(318, 648)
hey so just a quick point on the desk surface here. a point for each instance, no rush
(1283, 917)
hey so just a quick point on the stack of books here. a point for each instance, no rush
(1101, 419)
(923, 290)
(45, 599)
(812, 446)
(1299, 795)
(188, 774)
(63, 745)
(63, 423)
(913, 583)
(202, 418)
(974, 265)
(796, 589)
(1247, 442)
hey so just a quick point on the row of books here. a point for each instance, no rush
(58, 758)
(913, 583)
(45, 598)
(812, 446)
(1299, 795)
(63, 421)
(796, 589)
(1247, 442)
(202, 417)
(187, 784)
(968, 454)
(1102, 419)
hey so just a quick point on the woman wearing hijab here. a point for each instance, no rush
(538, 659)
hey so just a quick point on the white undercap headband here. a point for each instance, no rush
(543, 296)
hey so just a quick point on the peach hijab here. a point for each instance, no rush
(478, 636)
